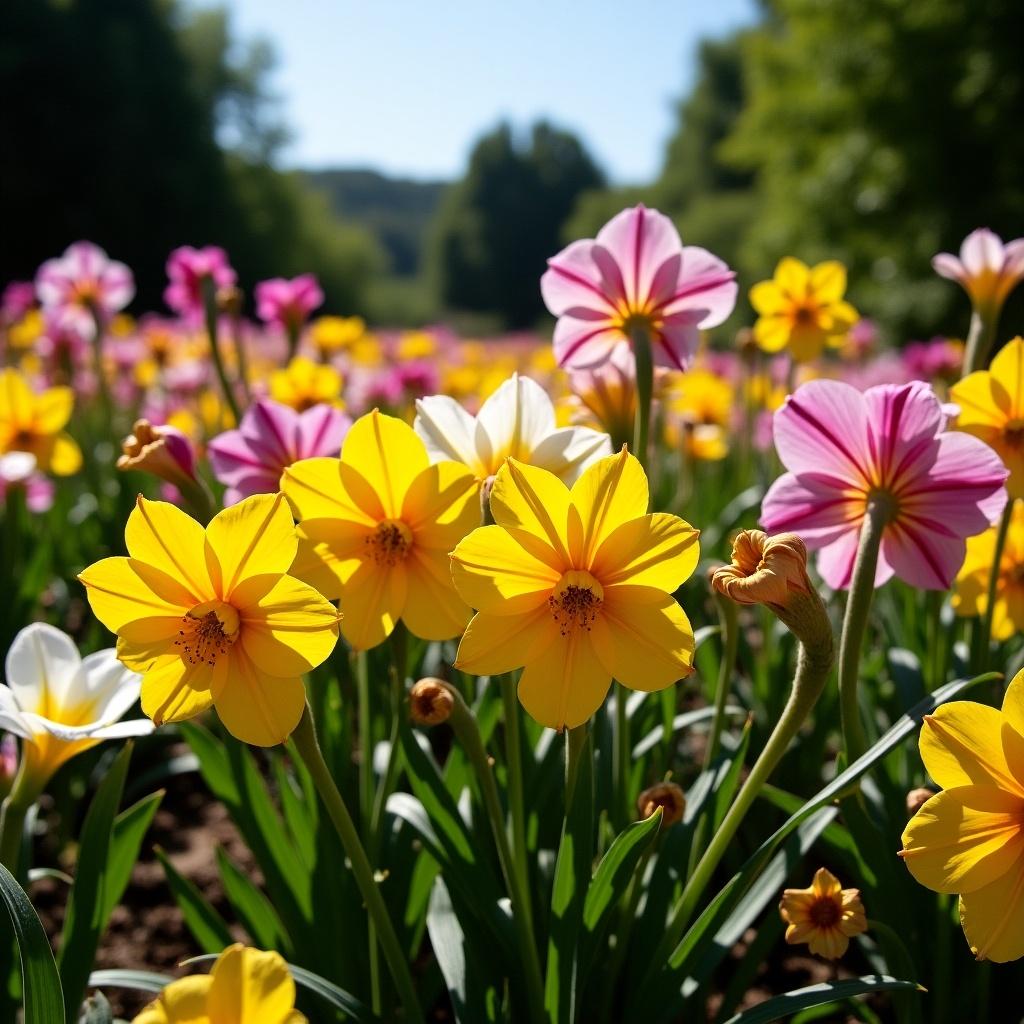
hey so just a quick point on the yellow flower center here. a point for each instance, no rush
(86, 292)
(629, 319)
(575, 601)
(207, 632)
(825, 912)
(805, 316)
(390, 542)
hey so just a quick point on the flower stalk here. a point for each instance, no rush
(212, 315)
(16, 805)
(309, 750)
(641, 340)
(980, 336)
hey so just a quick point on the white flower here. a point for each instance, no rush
(61, 703)
(518, 420)
(987, 269)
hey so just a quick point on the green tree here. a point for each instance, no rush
(497, 226)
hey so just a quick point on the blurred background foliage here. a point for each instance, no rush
(876, 133)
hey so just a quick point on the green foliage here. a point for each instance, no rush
(499, 224)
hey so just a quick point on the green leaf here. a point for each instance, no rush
(130, 828)
(40, 982)
(89, 904)
(253, 908)
(139, 981)
(569, 893)
(814, 995)
(205, 924)
(615, 871)
(679, 723)
(326, 990)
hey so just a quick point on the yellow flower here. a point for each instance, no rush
(824, 915)
(330, 334)
(245, 986)
(700, 396)
(802, 308)
(971, 595)
(303, 384)
(576, 585)
(376, 527)
(24, 333)
(416, 345)
(991, 404)
(35, 423)
(211, 617)
(969, 839)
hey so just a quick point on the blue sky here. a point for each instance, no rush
(407, 86)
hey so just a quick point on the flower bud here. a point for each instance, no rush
(163, 451)
(430, 701)
(917, 798)
(666, 795)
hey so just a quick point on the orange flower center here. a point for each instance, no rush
(575, 601)
(805, 316)
(825, 912)
(629, 319)
(1014, 433)
(86, 292)
(390, 542)
(207, 632)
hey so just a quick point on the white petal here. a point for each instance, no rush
(43, 667)
(568, 452)
(447, 430)
(93, 730)
(11, 717)
(513, 421)
(111, 687)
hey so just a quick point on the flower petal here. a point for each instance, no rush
(387, 454)
(993, 918)
(329, 552)
(608, 494)
(161, 535)
(315, 490)
(248, 983)
(442, 505)
(256, 537)
(372, 601)
(127, 596)
(532, 502)
(657, 550)
(254, 706)
(566, 684)
(964, 838)
(433, 608)
(569, 451)
(287, 627)
(181, 1002)
(497, 643)
(448, 431)
(174, 691)
(42, 669)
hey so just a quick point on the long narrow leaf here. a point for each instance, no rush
(40, 982)
(799, 999)
(206, 925)
(139, 981)
(130, 828)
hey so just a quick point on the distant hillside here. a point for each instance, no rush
(396, 210)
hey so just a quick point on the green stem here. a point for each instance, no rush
(855, 620)
(516, 801)
(574, 742)
(623, 760)
(210, 309)
(293, 331)
(467, 731)
(980, 336)
(812, 671)
(984, 653)
(644, 391)
(24, 793)
(309, 750)
(366, 786)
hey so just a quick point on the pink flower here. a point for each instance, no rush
(82, 283)
(843, 447)
(17, 299)
(251, 459)
(635, 273)
(187, 268)
(18, 472)
(287, 304)
(987, 269)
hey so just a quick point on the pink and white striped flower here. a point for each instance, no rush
(82, 284)
(635, 274)
(271, 437)
(844, 448)
(187, 269)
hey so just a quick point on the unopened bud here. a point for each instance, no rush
(666, 795)
(430, 701)
(917, 798)
(163, 451)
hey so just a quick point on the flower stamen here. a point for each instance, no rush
(389, 543)
(576, 601)
(207, 632)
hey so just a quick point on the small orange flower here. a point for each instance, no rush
(824, 915)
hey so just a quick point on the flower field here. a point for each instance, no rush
(650, 669)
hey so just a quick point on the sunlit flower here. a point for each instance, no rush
(969, 839)
(824, 915)
(34, 423)
(187, 269)
(764, 570)
(415, 345)
(576, 585)
(82, 284)
(845, 448)
(972, 582)
(60, 703)
(332, 334)
(303, 384)
(635, 274)
(26, 331)
(287, 303)
(518, 420)
(246, 986)
(991, 406)
(802, 309)
(211, 617)
(987, 269)
(251, 459)
(376, 528)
